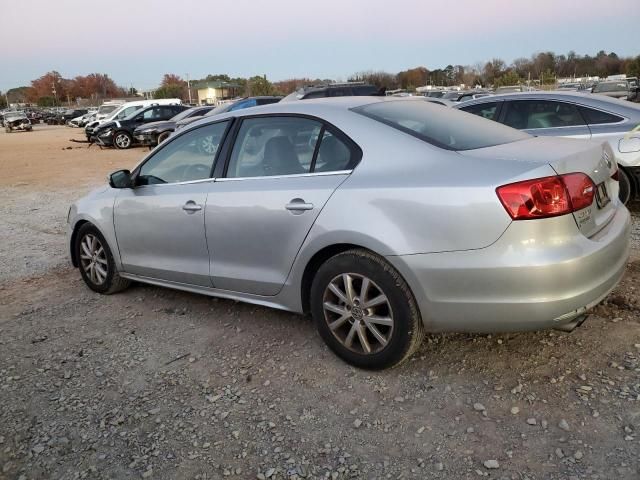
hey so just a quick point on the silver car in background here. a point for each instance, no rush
(573, 115)
(382, 217)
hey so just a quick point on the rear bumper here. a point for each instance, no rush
(539, 274)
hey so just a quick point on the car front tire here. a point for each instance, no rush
(122, 140)
(96, 263)
(365, 311)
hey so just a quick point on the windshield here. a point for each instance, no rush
(104, 109)
(610, 87)
(225, 107)
(450, 95)
(443, 127)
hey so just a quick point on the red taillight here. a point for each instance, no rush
(547, 197)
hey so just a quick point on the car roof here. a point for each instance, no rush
(316, 107)
(583, 98)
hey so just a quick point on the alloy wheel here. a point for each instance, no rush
(94, 259)
(123, 140)
(358, 313)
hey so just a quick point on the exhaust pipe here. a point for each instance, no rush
(573, 324)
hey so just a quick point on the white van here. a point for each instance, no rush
(127, 109)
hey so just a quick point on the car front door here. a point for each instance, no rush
(159, 223)
(545, 118)
(280, 173)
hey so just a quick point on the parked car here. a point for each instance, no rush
(464, 95)
(119, 133)
(575, 115)
(124, 110)
(347, 89)
(156, 132)
(313, 207)
(63, 117)
(616, 89)
(82, 120)
(239, 104)
(434, 93)
(17, 121)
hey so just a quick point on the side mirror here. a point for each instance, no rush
(121, 179)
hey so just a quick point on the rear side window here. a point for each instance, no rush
(443, 127)
(532, 114)
(484, 110)
(597, 117)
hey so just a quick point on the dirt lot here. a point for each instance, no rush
(153, 383)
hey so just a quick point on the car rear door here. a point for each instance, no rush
(280, 173)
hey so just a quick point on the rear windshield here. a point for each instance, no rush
(610, 87)
(443, 127)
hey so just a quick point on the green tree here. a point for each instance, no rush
(3, 101)
(46, 102)
(633, 67)
(259, 86)
(508, 78)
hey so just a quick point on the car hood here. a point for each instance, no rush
(187, 121)
(106, 126)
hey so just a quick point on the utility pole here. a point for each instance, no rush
(189, 87)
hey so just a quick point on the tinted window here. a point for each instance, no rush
(444, 127)
(188, 157)
(531, 114)
(484, 110)
(316, 94)
(274, 146)
(595, 117)
(127, 112)
(266, 101)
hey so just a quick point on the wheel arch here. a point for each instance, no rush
(73, 240)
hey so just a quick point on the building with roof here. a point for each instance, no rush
(216, 91)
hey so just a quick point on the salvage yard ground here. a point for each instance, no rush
(154, 383)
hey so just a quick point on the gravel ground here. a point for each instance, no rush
(154, 383)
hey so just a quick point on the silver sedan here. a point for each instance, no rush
(384, 218)
(573, 115)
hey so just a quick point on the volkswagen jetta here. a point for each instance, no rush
(382, 217)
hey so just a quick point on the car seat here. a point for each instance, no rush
(280, 157)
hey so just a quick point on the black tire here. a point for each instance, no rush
(626, 189)
(407, 330)
(112, 282)
(122, 140)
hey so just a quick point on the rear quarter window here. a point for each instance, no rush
(597, 117)
(443, 127)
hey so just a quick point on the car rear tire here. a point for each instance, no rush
(365, 311)
(625, 187)
(95, 262)
(122, 140)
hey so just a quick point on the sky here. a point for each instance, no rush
(137, 41)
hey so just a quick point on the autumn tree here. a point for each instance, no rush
(172, 86)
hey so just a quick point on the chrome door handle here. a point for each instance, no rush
(298, 205)
(191, 207)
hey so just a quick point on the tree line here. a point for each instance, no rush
(541, 68)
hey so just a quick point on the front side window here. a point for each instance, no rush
(532, 114)
(484, 110)
(189, 157)
(443, 127)
(269, 146)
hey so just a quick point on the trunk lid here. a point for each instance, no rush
(566, 155)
